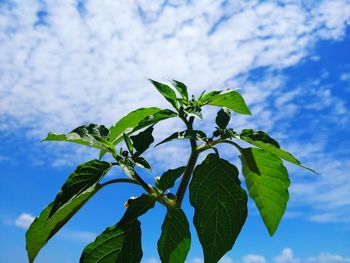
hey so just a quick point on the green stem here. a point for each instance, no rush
(119, 180)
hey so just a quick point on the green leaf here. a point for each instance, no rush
(194, 111)
(232, 100)
(187, 134)
(90, 135)
(181, 88)
(120, 243)
(154, 118)
(265, 142)
(220, 206)
(167, 180)
(205, 97)
(128, 142)
(143, 140)
(141, 162)
(175, 240)
(223, 118)
(86, 175)
(166, 91)
(269, 189)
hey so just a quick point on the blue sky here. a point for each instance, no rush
(67, 63)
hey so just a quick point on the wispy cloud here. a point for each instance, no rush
(24, 220)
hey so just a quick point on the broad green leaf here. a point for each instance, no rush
(205, 97)
(232, 100)
(154, 118)
(117, 244)
(90, 135)
(120, 243)
(220, 206)
(143, 140)
(166, 91)
(269, 189)
(86, 175)
(187, 134)
(223, 118)
(175, 240)
(265, 142)
(128, 142)
(167, 180)
(181, 88)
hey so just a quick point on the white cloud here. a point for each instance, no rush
(24, 220)
(81, 236)
(253, 259)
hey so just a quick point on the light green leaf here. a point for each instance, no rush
(90, 135)
(264, 141)
(85, 176)
(167, 180)
(181, 88)
(166, 91)
(187, 134)
(143, 140)
(175, 240)
(223, 118)
(120, 243)
(204, 98)
(232, 100)
(220, 206)
(269, 189)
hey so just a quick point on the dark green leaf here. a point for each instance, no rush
(269, 189)
(167, 180)
(232, 100)
(90, 135)
(223, 118)
(264, 141)
(120, 243)
(220, 206)
(175, 241)
(181, 88)
(166, 91)
(128, 142)
(141, 162)
(143, 140)
(86, 175)
(187, 134)
(194, 111)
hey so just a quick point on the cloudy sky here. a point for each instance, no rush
(71, 62)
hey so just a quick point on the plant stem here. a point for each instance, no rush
(144, 185)
(119, 180)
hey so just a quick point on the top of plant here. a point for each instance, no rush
(215, 190)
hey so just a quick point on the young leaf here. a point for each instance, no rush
(187, 134)
(269, 189)
(120, 243)
(232, 100)
(167, 180)
(86, 175)
(220, 206)
(90, 135)
(175, 240)
(166, 91)
(128, 142)
(181, 88)
(223, 118)
(143, 140)
(265, 142)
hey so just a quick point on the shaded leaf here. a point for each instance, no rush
(166, 91)
(86, 175)
(143, 140)
(232, 100)
(167, 180)
(220, 206)
(141, 162)
(194, 111)
(128, 142)
(181, 88)
(264, 141)
(223, 118)
(269, 189)
(187, 134)
(175, 240)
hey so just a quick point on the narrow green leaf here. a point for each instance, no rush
(265, 142)
(166, 91)
(90, 135)
(143, 140)
(120, 243)
(167, 180)
(181, 88)
(128, 142)
(232, 100)
(187, 134)
(269, 189)
(175, 240)
(223, 118)
(220, 206)
(86, 175)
